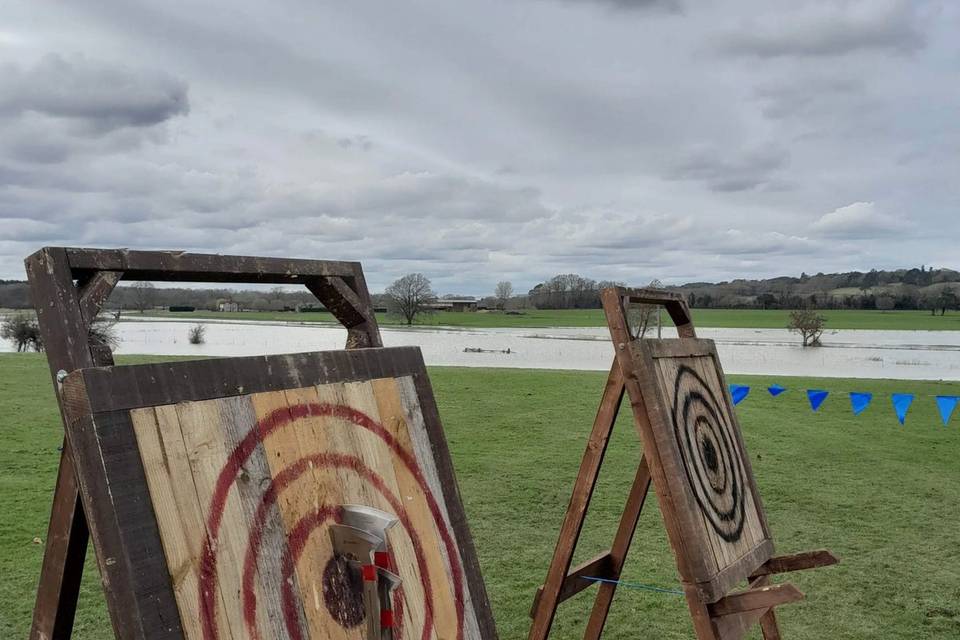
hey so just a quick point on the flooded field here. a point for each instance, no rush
(919, 355)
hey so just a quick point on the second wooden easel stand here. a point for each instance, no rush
(693, 454)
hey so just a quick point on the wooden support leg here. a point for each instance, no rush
(769, 626)
(618, 552)
(549, 598)
(63, 558)
(64, 325)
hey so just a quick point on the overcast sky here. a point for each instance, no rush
(480, 141)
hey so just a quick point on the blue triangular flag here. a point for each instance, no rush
(738, 392)
(816, 397)
(776, 390)
(947, 404)
(901, 404)
(859, 401)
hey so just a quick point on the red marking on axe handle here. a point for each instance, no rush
(369, 573)
(386, 618)
(382, 559)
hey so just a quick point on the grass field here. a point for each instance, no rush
(534, 318)
(885, 498)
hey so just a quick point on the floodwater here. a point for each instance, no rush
(919, 355)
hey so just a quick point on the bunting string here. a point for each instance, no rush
(859, 400)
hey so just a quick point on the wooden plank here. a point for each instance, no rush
(452, 501)
(666, 371)
(410, 413)
(65, 341)
(621, 544)
(178, 511)
(579, 501)
(207, 453)
(94, 293)
(796, 562)
(758, 598)
(748, 465)
(315, 490)
(114, 490)
(353, 311)
(753, 534)
(179, 266)
(599, 566)
(391, 414)
(681, 348)
(133, 386)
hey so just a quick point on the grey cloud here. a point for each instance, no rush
(667, 5)
(100, 96)
(410, 138)
(830, 29)
(730, 170)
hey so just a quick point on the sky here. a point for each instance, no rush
(684, 140)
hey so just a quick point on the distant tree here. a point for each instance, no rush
(884, 303)
(947, 300)
(410, 296)
(870, 280)
(809, 324)
(144, 295)
(22, 330)
(503, 293)
(766, 300)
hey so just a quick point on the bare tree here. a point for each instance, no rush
(503, 293)
(22, 330)
(410, 296)
(947, 300)
(809, 324)
(144, 295)
(103, 331)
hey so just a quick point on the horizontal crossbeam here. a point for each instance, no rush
(180, 266)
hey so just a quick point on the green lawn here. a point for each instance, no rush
(885, 498)
(534, 318)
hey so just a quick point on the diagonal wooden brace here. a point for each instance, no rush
(756, 599)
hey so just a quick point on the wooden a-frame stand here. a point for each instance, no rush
(717, 614)
(69, 288)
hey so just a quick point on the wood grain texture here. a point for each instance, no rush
(264, 474)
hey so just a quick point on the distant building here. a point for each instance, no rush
(454, 304)
(228, 306)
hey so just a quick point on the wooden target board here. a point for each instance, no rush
(218, 490)
(717, 512)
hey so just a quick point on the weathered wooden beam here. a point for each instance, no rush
(348, 308)
(180, 266)
(618, 552)
(94, 292)
(64, 336)
(674, 303)
(796, 562)
(600, 566)
(753, 599)
(579, 501)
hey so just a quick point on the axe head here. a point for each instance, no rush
(372, 520)
(353, 542)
